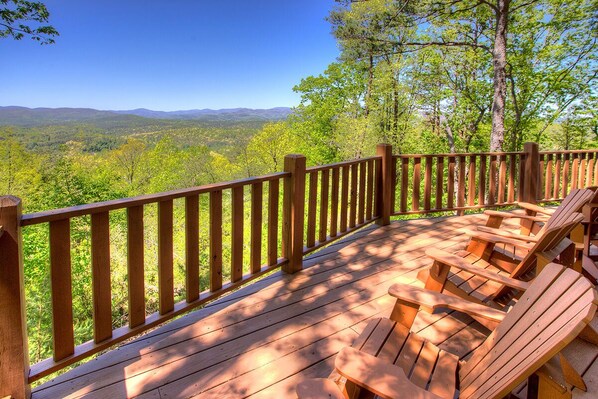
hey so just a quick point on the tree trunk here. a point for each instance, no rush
(499, 61)
(368, 92)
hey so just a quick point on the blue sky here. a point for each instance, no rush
(170, 55)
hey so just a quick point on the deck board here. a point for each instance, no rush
(262, 339)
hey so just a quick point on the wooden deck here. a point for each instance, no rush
(261, 340)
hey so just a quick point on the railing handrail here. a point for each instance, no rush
(457, 154)
(503, 153)
(105, 206)
(319, 168)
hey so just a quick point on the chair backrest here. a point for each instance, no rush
(572, 203)
(552, 237)
(550, 314)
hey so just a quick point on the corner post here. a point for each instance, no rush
(385, 180)
(14, 354)
(531, 172)
(293, 213)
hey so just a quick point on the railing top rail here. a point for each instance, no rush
(88, 209)
(462, 154)
(339, 164)
(567, 152)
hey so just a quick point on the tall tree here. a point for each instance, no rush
(402, 27)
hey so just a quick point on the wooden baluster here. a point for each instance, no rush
(439, 181)
(557, 177)
(451, 183)
(583, 164)
(482, 181)
(192, 248)
(273, 198)
(344, 199)
(215, 240)
(361, 194)
(511, 190)
(324, 206)
(334, 202)
(377, 188)
(370, 190)
(238, 216)
(353, 193)
(492, 185)
(541, 175)
(596, 171)
(471, 186)
(589, 170)
(135, 266)
(428, 183)
(165, 257)
(404, 183)
(575, 171)
(565, 176)
(548, 179)
(502, 179)
(62, 295)
(311, 209)
(14, 359)
(461, 185)
(255, 255)
(100, 271)
(416, 183)
(393, 185)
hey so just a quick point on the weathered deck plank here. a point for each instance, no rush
(260, 340)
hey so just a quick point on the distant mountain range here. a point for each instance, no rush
(229, 113)
(22, 116)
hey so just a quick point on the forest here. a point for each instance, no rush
(426, 77)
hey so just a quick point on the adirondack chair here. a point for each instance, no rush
(480, 275)
(535, 219)
(391, 362)
(573, 203)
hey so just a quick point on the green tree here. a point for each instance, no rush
(552, 39)
(266, 150)
(20, 18)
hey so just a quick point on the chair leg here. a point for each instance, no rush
(404, 313)
(437, 276)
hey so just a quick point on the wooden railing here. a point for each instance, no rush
(341, 198)
(59, 221)
(319, 205)
(458, 182)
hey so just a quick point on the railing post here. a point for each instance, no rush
(385, 180)
(14, 355)
(293, 212)
(531, 172)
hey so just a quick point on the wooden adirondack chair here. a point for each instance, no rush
(536, 219)
(479, 275)
(390, 361)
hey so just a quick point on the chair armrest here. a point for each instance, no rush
(378, 376)
(508, 234)
(317, 388)
(460, 263)
(432, 300)
(535, 208)
(508, 215)
(497, 239)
